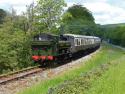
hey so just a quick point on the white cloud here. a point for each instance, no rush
(16, 2)
(91, 1)
(70, 4)
(105, 13)
(18, 5)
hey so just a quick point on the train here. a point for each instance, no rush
(50, 47)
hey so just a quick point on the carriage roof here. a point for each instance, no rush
(79, 36)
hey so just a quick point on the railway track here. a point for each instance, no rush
(19, 74)
(25, 72)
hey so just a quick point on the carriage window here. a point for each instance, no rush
(79, 41)
(89, 41)
(85, 41)
(82, 42)
(76, 42)
(92, 41)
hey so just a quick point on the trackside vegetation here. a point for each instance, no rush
(14, 51)
(57, 84)
(48, 16)
(113, 33)
(112, 82)
(16, 32)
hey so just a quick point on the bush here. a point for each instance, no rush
(15, 50)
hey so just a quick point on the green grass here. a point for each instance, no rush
(106, 55)
(112, 82)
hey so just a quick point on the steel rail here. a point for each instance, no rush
(19, 74)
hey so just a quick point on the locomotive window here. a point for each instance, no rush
(44, 37)
(40, 38)
(64, 38)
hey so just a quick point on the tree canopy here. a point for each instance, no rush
(80, 12)
(116, 35)
(78, 19)
(48, 13)
(14, 44)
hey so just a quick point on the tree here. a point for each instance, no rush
(123, 39)
(15, 52)
(30, 17)
(79, 20)
(2, 15)
(16, 22)
(80, 12)
(114, 33)
(48, 14)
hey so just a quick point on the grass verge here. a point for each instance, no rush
(111, 82)
(106, 55)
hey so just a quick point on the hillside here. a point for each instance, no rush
(112, 25)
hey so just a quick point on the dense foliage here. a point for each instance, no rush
(48, 14)
(14, 47)
(113, 33)
(117, 36)
(14, 51)
(79, 20)
(16, 32)
(80, 12)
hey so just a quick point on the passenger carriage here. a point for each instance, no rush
(81, 42)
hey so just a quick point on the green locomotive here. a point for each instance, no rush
(48, 47)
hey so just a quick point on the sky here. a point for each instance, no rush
(104, 11)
